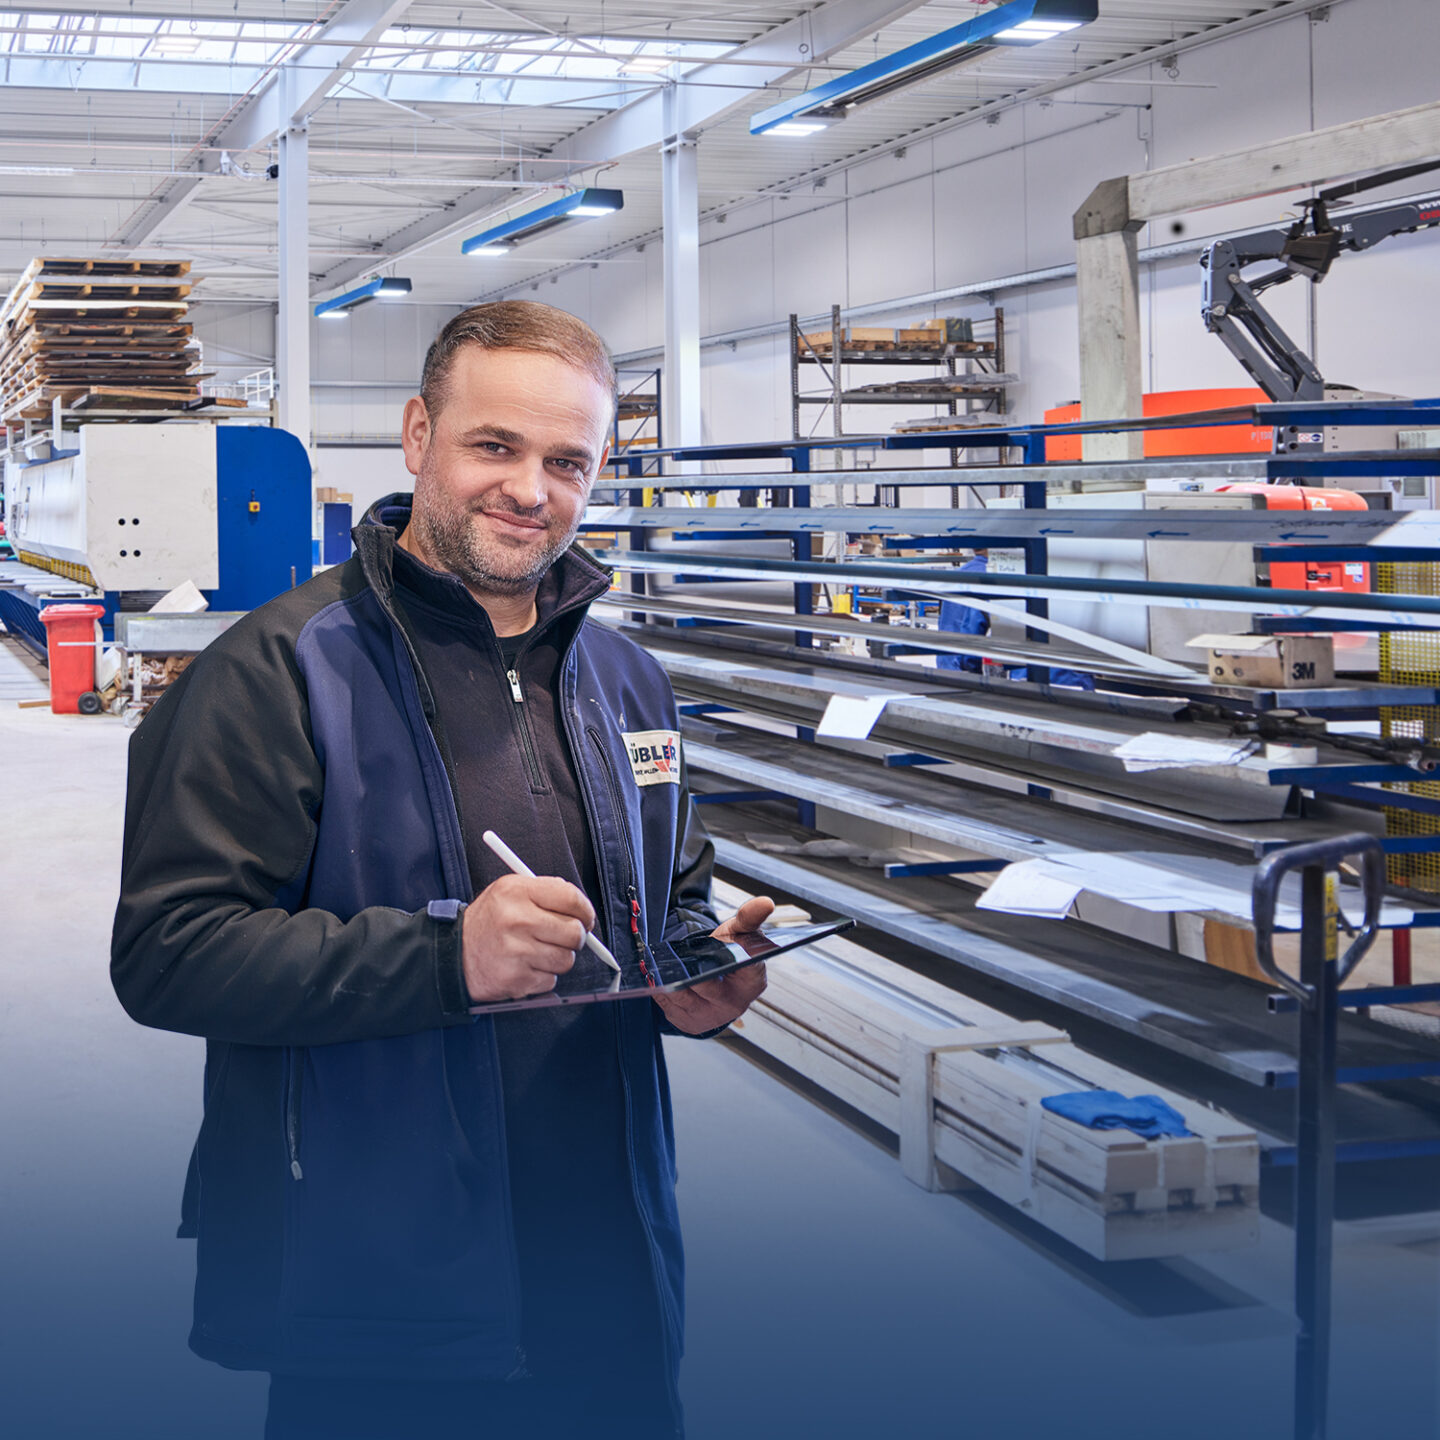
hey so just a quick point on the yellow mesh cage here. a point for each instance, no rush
(1411, 657)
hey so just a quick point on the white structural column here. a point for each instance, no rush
(292, 328)
(681, 193)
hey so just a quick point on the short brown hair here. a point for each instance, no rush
(515, 325)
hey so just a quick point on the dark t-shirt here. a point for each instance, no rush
(587, 1285)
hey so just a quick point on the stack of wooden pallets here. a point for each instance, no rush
(961, 1083)
(943, 337)
(98, 334)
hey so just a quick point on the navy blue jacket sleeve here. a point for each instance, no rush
(211, 934)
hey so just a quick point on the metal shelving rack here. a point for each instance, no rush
(637, 403)
(835, 365)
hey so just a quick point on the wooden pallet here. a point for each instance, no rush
(964, 1102)
(51, 265)
(103, 331)
(98, 333)
(36, 404)
(822, 347)
(35, 311)
(980, 420)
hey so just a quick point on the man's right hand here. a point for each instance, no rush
(521, 933)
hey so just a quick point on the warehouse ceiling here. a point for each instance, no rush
(142, 129)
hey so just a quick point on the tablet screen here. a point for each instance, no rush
(679, 966)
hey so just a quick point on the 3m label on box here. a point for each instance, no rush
(654, 756)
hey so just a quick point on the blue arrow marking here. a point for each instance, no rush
(1173, 534)
(1051, 530)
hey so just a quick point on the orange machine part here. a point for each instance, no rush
(1333, 575)
(1217, 440)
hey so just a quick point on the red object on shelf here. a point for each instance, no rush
(70, 648)
(1328, 575)
(1401, 974)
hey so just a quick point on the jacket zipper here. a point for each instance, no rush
(632, 895)
(294, 1073)
(538, 781)
(641, 951)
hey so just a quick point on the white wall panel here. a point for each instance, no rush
(737, 279)
(979, 220)
(810, 266)
(886, 259)
(1373, 55)
(367, 474)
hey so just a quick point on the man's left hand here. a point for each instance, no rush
(714, 1003)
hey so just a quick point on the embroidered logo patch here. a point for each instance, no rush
(654, 756)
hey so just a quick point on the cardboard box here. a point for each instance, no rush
(1284, 662)
(952, 329)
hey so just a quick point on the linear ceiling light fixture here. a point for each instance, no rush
(1021, 22)
(387, 287)
(581, 205)
(646, 64)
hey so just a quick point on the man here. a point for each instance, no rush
(420, 1221)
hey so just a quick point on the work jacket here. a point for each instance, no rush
(293, 882)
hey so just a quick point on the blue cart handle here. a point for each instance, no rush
(1329, 853)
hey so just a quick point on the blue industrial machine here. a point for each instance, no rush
(135, 510)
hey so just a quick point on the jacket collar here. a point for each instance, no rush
(574, 581)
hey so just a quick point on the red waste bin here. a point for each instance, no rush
(70, 643)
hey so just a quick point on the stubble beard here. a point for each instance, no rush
(454, 542)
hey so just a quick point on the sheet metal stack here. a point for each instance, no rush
(855, 1025)
(98, 335)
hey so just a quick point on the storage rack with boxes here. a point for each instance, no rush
(972, 370)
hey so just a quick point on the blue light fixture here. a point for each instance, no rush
(387, 287)
(582, 205)
(1021, 22)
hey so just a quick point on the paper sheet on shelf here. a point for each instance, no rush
(1032, 887)
(1156, 751)
(853, 717)
(1158, 883)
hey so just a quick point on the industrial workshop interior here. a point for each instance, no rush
(1023, 474)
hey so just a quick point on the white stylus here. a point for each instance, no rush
(592, 944)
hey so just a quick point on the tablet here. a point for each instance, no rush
(673, 967)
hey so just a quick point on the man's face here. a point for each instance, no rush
(503, 471)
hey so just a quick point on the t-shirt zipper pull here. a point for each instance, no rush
(515, 690)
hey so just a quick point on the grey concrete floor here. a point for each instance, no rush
(827, 1296)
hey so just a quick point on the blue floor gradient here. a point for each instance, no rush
(828, 1297)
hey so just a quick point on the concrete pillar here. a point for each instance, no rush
(1111, 366)
(681, 197)
(1107, 261)
(292, 330)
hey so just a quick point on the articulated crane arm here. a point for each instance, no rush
(1230, 304)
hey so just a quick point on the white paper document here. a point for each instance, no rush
(1154, 751)
(853, 717)
(1157, 882)
(1032, 887)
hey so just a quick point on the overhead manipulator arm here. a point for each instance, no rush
(1231, 306)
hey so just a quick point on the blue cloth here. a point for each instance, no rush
(1076, 679)
(961, 619)
(1146, 1115)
